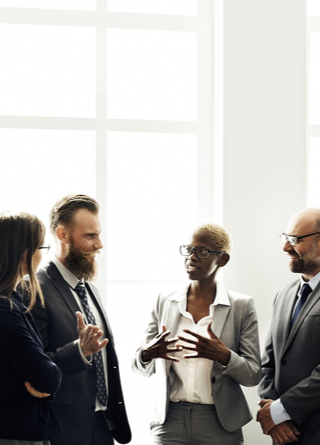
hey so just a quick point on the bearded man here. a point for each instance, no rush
(290, 386)
(89, 403)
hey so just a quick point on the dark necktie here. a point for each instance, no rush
(97, 357)
(306, 290)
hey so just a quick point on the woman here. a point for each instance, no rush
(214, 351)
(27, 375)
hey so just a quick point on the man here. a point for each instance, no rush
(290, 387)
(89, 403)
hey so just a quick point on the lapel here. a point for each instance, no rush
(63, 288)
(311, 301)
(221, 311)
(288, 301)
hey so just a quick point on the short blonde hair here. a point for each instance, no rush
(218, 236)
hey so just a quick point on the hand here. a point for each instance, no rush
(89, 336)
(211, 348)
(161, 348)
(34, 392)
(285, 432)
(264, 416)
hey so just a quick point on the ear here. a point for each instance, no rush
(63, 235)
(25, 256)
(223, 260)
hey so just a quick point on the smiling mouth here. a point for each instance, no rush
(191, 268)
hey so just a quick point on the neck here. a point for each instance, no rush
(204, 290)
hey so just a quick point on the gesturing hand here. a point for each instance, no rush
(161, 348)
(34, 392)
(89, 337)
(285, 432)
(211, 348)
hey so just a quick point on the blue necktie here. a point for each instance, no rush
(97, 357)
(306, 290)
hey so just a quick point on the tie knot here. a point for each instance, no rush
(81, 290)
(306, 290)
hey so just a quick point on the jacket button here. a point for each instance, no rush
(213, 380)
(119, 403)
(283, 362)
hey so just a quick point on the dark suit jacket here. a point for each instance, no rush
(291, 361)
(75, 401)
(22, 358)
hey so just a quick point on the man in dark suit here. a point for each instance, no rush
(90, 403)
(290, 387)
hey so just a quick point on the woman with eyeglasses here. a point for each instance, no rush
(27, 376)
(203, 343)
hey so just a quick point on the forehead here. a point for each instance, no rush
(86, 221)
(300, 225)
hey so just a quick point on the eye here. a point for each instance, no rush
(90, 235)
(203, 251)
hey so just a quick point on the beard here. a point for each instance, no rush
(76, 261)
(307, 263)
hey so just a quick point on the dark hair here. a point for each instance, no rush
(19, 232)
(64, 209)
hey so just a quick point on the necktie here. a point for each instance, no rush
(306, 290)
(97, 357)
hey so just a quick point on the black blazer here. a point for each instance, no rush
(22, 416)
(74, 403)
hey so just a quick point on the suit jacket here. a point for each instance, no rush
(22, 358)
(291, 361)
(75, 401)
(236, 325)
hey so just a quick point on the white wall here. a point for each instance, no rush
(265, 154)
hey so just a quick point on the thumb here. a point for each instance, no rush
(164, 329)
(212, 335)
(80, 321)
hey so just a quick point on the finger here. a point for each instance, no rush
(211, 334)
(187, 340)
(194, 334)
(189, 348)
(173, 359)
(80, 321)
(164, 329)
(262, 402)
(177, 349)
(195, 355)
(172, 340)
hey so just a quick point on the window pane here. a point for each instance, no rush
(314, 81)
(41, 166)
(151, 204)
(178, 7)
(83, 5)
(152, 75)
(313, 7)
(47, 71)
(313, 176)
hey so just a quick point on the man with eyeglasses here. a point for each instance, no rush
(290, 387)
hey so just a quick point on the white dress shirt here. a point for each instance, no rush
(191, 378)
(72, 281)
(277, 410)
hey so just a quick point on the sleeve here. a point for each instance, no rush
(266, 388)
(19, 348)
(147, 369)
(244, 365)
(67, 357)
(278, 412)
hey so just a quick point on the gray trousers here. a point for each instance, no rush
(23, 442)
(193, 424)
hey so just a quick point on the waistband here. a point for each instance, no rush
(191, 406)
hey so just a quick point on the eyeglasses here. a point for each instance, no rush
(200, 252)
(293, 240)
(45, 248)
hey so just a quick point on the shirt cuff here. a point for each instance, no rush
(278, 412)
(88, 359)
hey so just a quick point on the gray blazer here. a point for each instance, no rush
(236, 325)
(291, 361)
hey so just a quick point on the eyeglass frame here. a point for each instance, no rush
(45, 247)
(194, 249)
(294, 239)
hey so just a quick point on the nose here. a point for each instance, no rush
(287, 247)
(98, 243)
(192, 255)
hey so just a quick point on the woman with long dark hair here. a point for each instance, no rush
(27, 376)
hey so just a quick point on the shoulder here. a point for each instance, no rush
(238, 299)
(10, 307)
(48, 273)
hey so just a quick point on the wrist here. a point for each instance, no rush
(146, 355)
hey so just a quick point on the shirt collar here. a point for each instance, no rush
(221, 295)
(68, 276)
(312, 283)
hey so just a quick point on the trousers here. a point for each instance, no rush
(193, 424)
(23, 442)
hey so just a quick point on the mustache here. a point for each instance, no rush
(90, 253)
